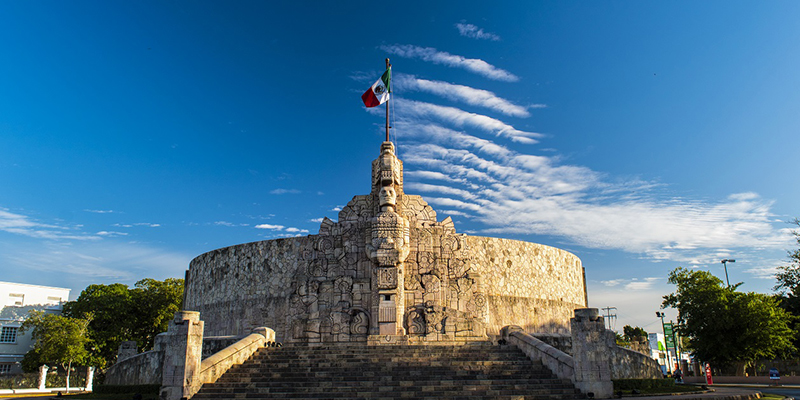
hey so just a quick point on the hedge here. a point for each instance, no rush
(114, 389)
(643, 384)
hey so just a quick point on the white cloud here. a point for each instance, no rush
(268, 226)
(439, 57)
(111, 233)
(414, 110)
(472, 31)
(284, 191)
(146, 224)
(337, 208)
(516, 193)
(223, 223)
(84, 263)
(296, 230)
(465, 94)
(644, 284)
(19, 224)
(317, 220)
(100, 211)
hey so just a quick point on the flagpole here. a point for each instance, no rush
(390, 99)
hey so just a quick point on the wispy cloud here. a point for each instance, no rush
(111, 233)
(432, 55)
(100, 211)
(84, 263)
(284, 191)
(145, 224)
(472, 31)
(465, 94)
(23, 225)
(411, 110)
(229, 224)
(516, 193)
(642, 284)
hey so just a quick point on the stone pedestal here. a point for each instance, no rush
(591, 353)
(183, 350)
(127, 349)
(43, 377)
(89, 378)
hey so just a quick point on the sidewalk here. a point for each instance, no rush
(52, 391)
(719, 393)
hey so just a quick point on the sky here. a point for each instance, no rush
(640, 136)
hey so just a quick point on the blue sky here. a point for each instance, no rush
(640, 136)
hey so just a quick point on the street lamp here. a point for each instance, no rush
(661, 315)
(725, 264)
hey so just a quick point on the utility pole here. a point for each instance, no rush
(725, 264)
(610, 318)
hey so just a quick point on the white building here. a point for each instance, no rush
(17, 299)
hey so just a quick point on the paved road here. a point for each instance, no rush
(787, 392)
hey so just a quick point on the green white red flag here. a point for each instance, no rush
(379, 92)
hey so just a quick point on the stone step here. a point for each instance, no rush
(400, 383)
(389, 391)
(390, 372)
(401, 396)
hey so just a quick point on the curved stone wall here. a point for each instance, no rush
(527, 284)
(241, 287)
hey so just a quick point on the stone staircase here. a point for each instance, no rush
(471, 371)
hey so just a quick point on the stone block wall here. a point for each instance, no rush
(531, 285)
(527, 284)
(141, 369)
(242, 287)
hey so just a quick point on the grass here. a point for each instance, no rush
(111, 396)
(664, 390)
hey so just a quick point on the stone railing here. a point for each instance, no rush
(141, 369)
(176, 362)
(214, 366)
(556, 360)
(629, 364)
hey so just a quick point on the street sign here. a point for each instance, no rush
(668, 336)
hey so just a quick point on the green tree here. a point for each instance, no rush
(789, 275)
(788, 285)
(723, 325)
(630, 333)
(121, 313)
(58, 339)
(162, 299)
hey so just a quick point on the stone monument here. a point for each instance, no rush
(387, 271)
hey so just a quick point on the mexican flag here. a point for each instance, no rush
(379, 92)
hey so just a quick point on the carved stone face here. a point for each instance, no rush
(387, 196)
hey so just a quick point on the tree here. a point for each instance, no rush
(789, 275)
(162, 299)
(121, 313)
(723, 325)
(788, 286)
(630, 333)
(58, 339)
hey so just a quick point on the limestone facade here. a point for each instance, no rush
(386, 269)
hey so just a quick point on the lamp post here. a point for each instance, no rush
(661, 315)
(725, 264)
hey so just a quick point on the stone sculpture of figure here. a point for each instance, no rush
(387, 197)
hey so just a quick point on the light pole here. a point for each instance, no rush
(661, 315)
(725, 264)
